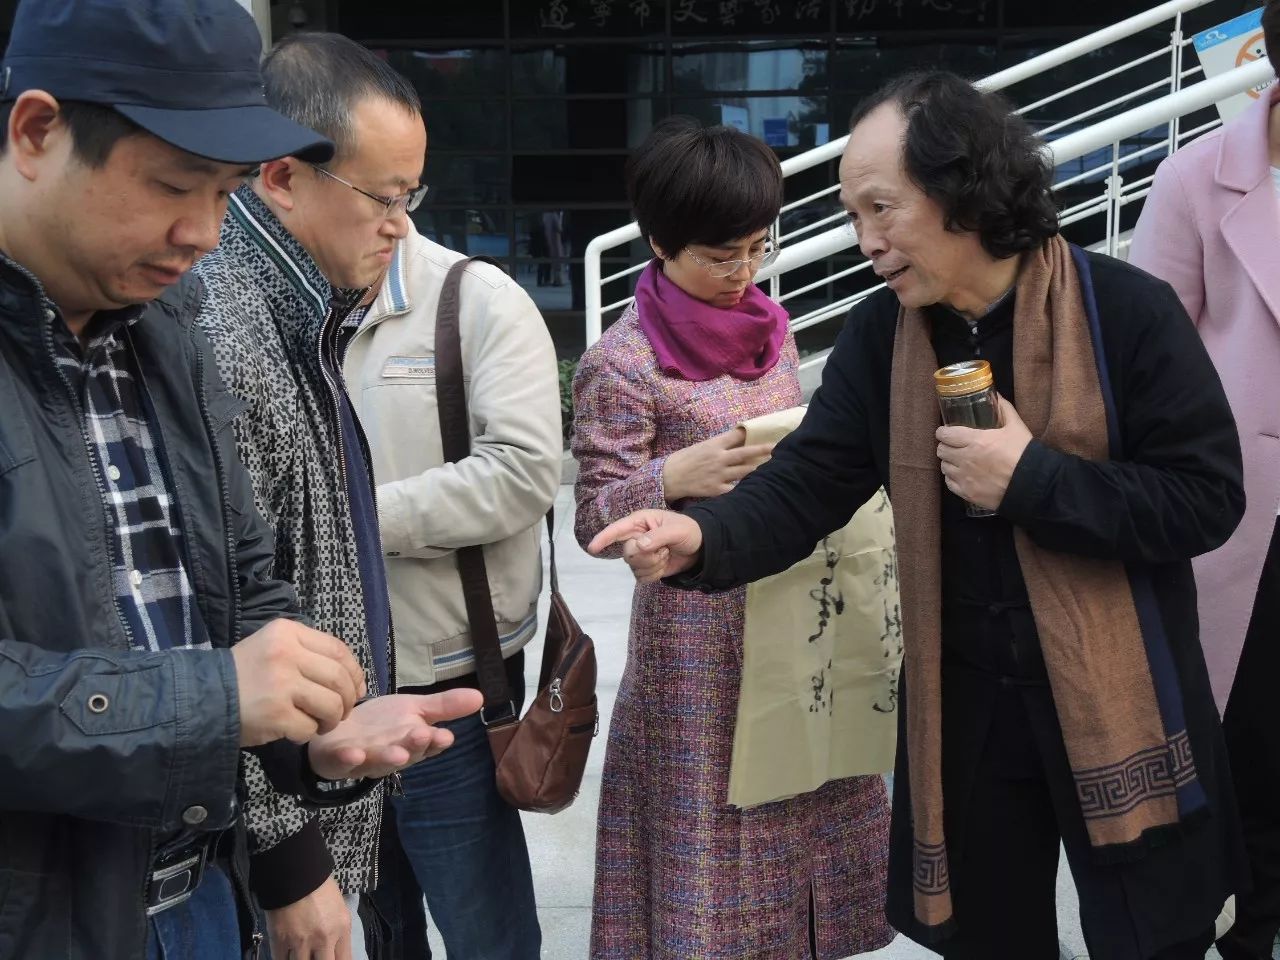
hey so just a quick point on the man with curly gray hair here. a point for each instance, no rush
(1054, 689)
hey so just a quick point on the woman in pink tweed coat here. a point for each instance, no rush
(680, 874)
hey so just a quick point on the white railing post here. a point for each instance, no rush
(775, 282)
(1176, 46)
(593, 314)
(1115, 186)
(592, 292)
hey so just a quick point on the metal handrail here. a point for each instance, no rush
(1088, 44)
(1148, 115)
(1028, 68)
(1070, 147)
(1066, 148)
(1095, 80)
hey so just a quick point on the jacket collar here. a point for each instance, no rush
(1243, 156)
(265, 231)
(20, 291)
(23, 299)
(1249, 226)
(394, 297)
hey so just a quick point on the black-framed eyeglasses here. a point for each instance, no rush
(391, 206)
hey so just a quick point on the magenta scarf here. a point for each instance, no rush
(696, 341)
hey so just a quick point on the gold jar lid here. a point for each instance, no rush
(962, 379)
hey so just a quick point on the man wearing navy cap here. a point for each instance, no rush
(132, 557)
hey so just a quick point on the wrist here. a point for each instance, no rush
(291, 870)
(671, 485)
(324, 782)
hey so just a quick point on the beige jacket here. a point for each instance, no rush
(497, 496)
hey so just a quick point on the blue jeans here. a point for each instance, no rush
(468, 853)
(203, 928)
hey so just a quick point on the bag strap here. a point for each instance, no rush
(551, 542)
(455, 437)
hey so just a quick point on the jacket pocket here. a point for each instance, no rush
(12, 456)
(224, 407)
(16, 444)
(515, 573)
(104, 704)
(402, 420)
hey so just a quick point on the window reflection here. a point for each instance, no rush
(779, 121)
(442, 73)
(593, 69)
(568, 178)
(466, 124)
(863, 67)
(475, 231)
(755, 66)
(540, 125)
(467, 178)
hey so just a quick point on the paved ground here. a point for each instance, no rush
(562, 847)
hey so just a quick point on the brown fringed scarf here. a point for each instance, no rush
(1128, 768)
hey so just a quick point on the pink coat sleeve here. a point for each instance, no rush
(613, 442)
(1167, 242)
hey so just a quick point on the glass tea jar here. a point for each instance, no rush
(967, 398)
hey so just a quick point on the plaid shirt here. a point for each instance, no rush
(153, 592)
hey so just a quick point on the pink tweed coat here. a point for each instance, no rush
(679, 873)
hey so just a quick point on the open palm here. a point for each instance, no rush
(384, 734)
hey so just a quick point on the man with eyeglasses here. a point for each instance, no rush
(464, 847)
(301, 248)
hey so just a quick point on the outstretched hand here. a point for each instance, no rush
(656, 543)
(388, 733)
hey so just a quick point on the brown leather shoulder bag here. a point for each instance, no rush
(541, 757)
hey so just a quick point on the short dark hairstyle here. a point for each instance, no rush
(95, 129)
(970, 153)
(1271, 32)
(316, 79)
(707, 185)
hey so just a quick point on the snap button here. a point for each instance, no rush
(98, 703)
(113, 472)
(194, 816)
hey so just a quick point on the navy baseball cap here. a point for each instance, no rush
(186, 71)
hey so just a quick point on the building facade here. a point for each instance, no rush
(532, 105)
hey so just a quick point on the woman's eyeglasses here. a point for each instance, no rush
(727, 268)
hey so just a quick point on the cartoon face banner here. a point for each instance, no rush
(1230, 45)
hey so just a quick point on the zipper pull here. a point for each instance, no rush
(397, 785)
(557, 701)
